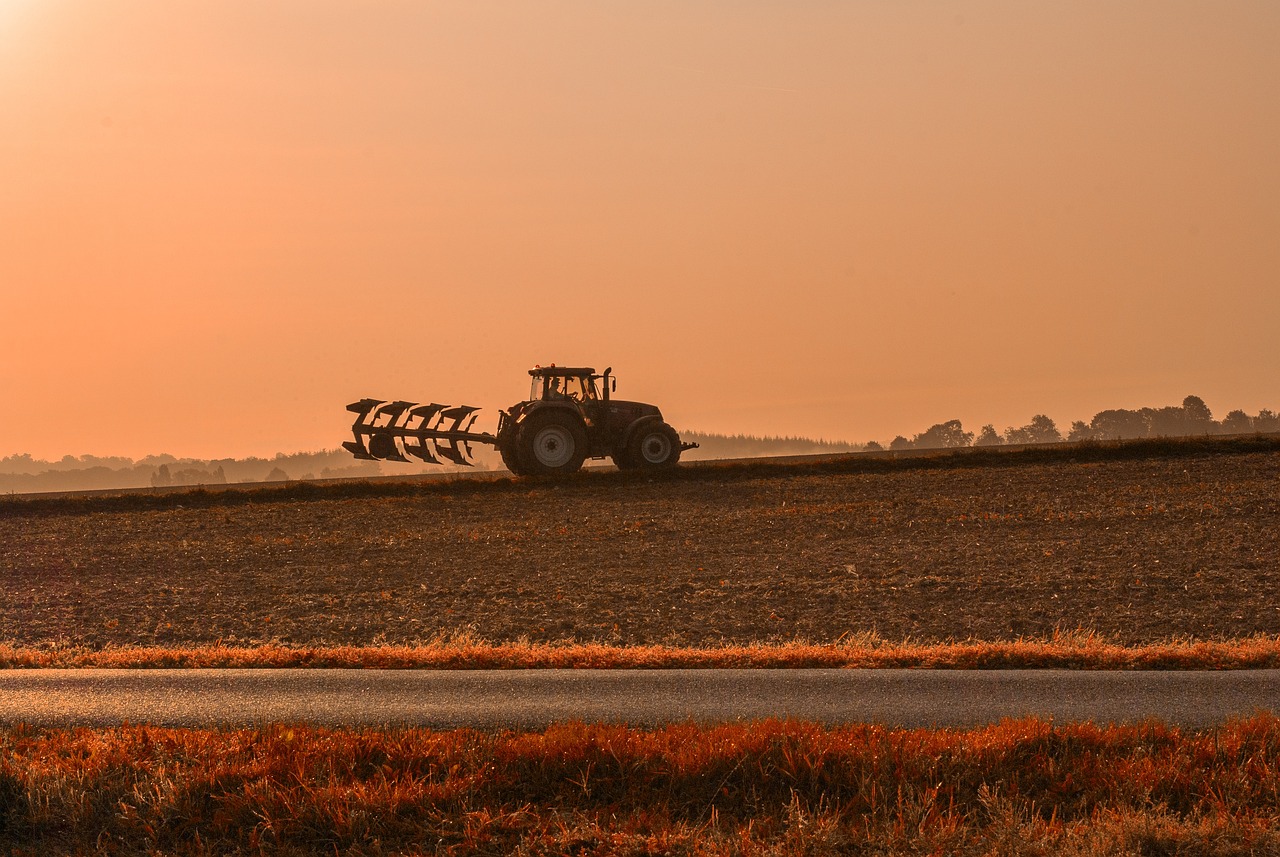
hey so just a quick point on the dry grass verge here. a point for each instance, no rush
(1020, 787)
(1080, 650)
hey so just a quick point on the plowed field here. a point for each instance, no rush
(1138, 550)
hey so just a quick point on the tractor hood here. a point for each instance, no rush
(634, 410)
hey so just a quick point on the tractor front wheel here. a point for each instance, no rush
(552, 444)
(655, 446)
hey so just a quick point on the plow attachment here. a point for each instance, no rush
(399, 431)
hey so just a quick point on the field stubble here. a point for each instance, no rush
(1133, 551)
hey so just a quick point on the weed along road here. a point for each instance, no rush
(537, 698)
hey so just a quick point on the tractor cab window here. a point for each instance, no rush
(581, 389)
(572, 387)
(552, 387)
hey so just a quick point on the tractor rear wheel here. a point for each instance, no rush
(552, 443)
(655, 446)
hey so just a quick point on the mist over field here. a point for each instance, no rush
(22, 473)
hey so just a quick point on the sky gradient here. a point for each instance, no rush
(222, 221)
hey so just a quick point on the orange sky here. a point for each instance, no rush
(222, 221)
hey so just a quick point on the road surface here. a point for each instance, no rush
(536, 698)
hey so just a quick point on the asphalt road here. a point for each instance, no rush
(536, 698)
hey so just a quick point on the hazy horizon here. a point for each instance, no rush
(223, 221)
(1162, 421)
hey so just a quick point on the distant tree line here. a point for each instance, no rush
(25, 474)
(712, 445)
(1191, 419)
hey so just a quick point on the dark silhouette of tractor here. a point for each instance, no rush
(568, 418)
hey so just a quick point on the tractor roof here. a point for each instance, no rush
(559, 372)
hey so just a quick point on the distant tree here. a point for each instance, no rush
(1120, 423)
(1041, 429)
(1079, 431)
(277, 475)
(1044, 430)
(900, 442)
(20, 463)
(1016, 435)
(988, 437)
(1237, 422)
(156, 460)
(873, 446)
(199, 476)
(1266, 420)
(162, 478)
(948, 435)
(1166, 422)
(1199, 419)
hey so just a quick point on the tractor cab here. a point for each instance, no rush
(560, 383)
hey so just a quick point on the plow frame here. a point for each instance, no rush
(399, 430)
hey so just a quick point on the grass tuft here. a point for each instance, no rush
(769, 787)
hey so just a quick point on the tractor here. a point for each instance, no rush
(569, 417)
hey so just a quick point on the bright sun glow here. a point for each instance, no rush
(13, 15)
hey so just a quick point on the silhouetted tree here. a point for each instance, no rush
(157, 460)
(1041, 429)
(988, 437)
(277, 475)
(1120, 423)
(948, 435)
(1079, 431)
(1237, 422)
(873, 446)
(900, 442)
(1266, 420)
(1166, 422)
(20, 463)
(1199, 419)
(199, 476)
(161, 478)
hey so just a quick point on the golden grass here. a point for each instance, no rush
(1064, 650)
(772, 787)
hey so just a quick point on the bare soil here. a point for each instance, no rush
(1139, 551)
